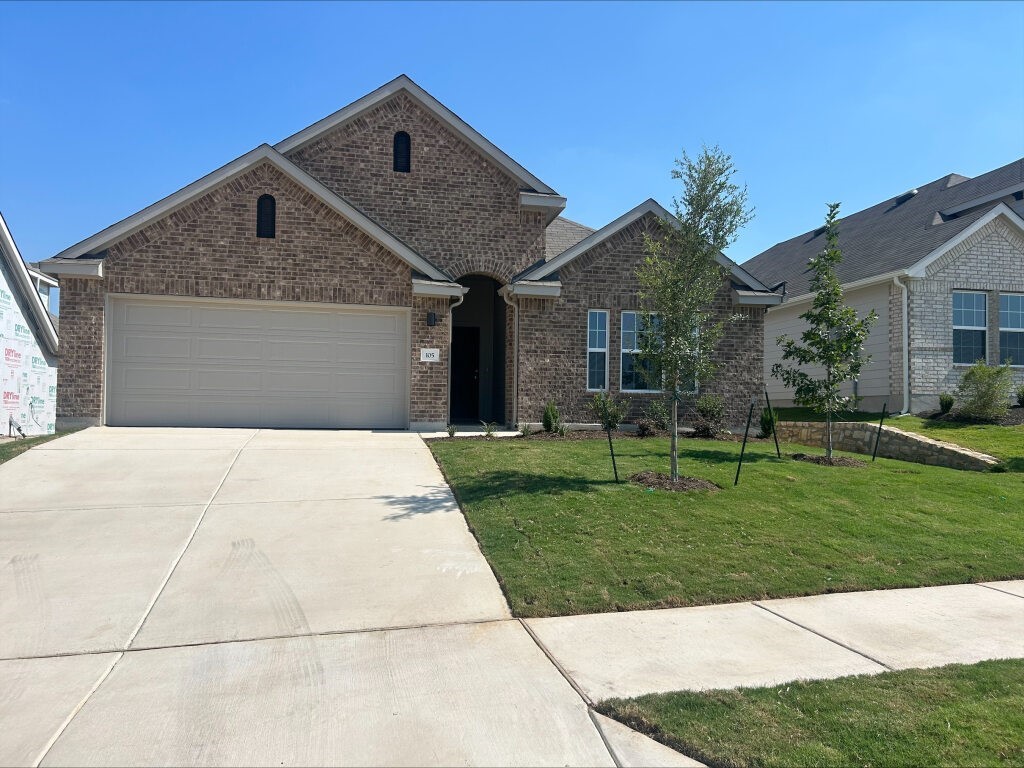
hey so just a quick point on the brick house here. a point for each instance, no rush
(385, 267)
(942, 266)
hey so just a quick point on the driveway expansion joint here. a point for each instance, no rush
(1001, 591)
(841, 644)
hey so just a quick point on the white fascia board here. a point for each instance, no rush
(852, 286)
(445, 115)
(546, 290)
(756, 298)
(438, 289)
(920, 269)
(60, 264)
(19, 270)
(42, 277)
(535, 201)
(74, 267)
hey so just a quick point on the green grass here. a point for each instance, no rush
(12, 448)
(1006, 443)
(563, 538)
(956, 715)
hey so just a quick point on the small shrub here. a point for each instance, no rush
(489, 427)
(562, 429)
(710, 419)
(452, 429)
(658, 413)
(551, 418)
(610, 413)
(646, 427)
(984, 392)
(768, 421)
(524, 429)
(946, 401)
(1020, 395)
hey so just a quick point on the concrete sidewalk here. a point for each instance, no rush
(770, 642)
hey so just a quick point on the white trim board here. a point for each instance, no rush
(20, 274)
(920, 269)
(403, 83)
(264, 153)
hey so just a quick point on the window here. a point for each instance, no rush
(597, 350)
(970, 320)
(1011, 328)
(635, 375)
(266, 216)
(402, 152)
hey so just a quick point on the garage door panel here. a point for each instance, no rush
(241, 364)
(228, 381)
(154, 347)
(147, 314)
(229, 348)
(155, 378)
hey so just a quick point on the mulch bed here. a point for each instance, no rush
(664, 482)
(835, 461)
(1014, 417)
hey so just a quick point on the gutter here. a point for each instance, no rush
(906, 342)
(448, 398)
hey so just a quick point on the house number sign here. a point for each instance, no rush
(430, 355)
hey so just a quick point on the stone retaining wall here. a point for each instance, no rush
(859, 437)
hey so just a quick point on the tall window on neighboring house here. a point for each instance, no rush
(1011, 328)
(597, 350)
(634, 373)
(970, 321)
(266, 216)
(402, 152)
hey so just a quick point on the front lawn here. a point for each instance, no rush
(563, 538)
(11, 448)
(956, 715)
(1006, 443)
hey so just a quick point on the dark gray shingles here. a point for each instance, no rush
(891, 235)
(562, 234)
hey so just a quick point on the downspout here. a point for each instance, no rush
(906, 343)
(448, 394)
(505, 294)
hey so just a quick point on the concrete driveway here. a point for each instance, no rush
(173, 596)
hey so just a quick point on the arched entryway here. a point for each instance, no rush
(478, 354)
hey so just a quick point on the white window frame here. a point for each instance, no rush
(605, 349)
(624, 351)
(983, 328)
(1003, 330)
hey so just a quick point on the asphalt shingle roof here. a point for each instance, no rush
(562, 234)
(893, 235)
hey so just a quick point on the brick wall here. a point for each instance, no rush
(553, 336)
(209, 249)
(454, 207)
(991, 260)
(428, 388)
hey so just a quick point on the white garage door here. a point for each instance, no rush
(253, 364)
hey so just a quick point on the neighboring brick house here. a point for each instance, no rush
(942, 266)
(385, 267)
(28, 342)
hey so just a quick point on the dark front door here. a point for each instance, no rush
(465, 374)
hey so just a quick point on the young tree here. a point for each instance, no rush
(681, 276)
(833, 341)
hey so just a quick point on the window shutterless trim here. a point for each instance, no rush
(1018, 329)
(607, 330)
(982, 328)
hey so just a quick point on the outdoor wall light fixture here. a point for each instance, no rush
(431, 319)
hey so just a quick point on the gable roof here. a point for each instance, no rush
(404, 84)
(81, 257)
(22, 283)
(563, 233)
(896, 234)
(551, 265)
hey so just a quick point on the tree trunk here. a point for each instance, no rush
(828, 435)
(674, 449)
(611, 450)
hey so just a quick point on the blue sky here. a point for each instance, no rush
(105, 108)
